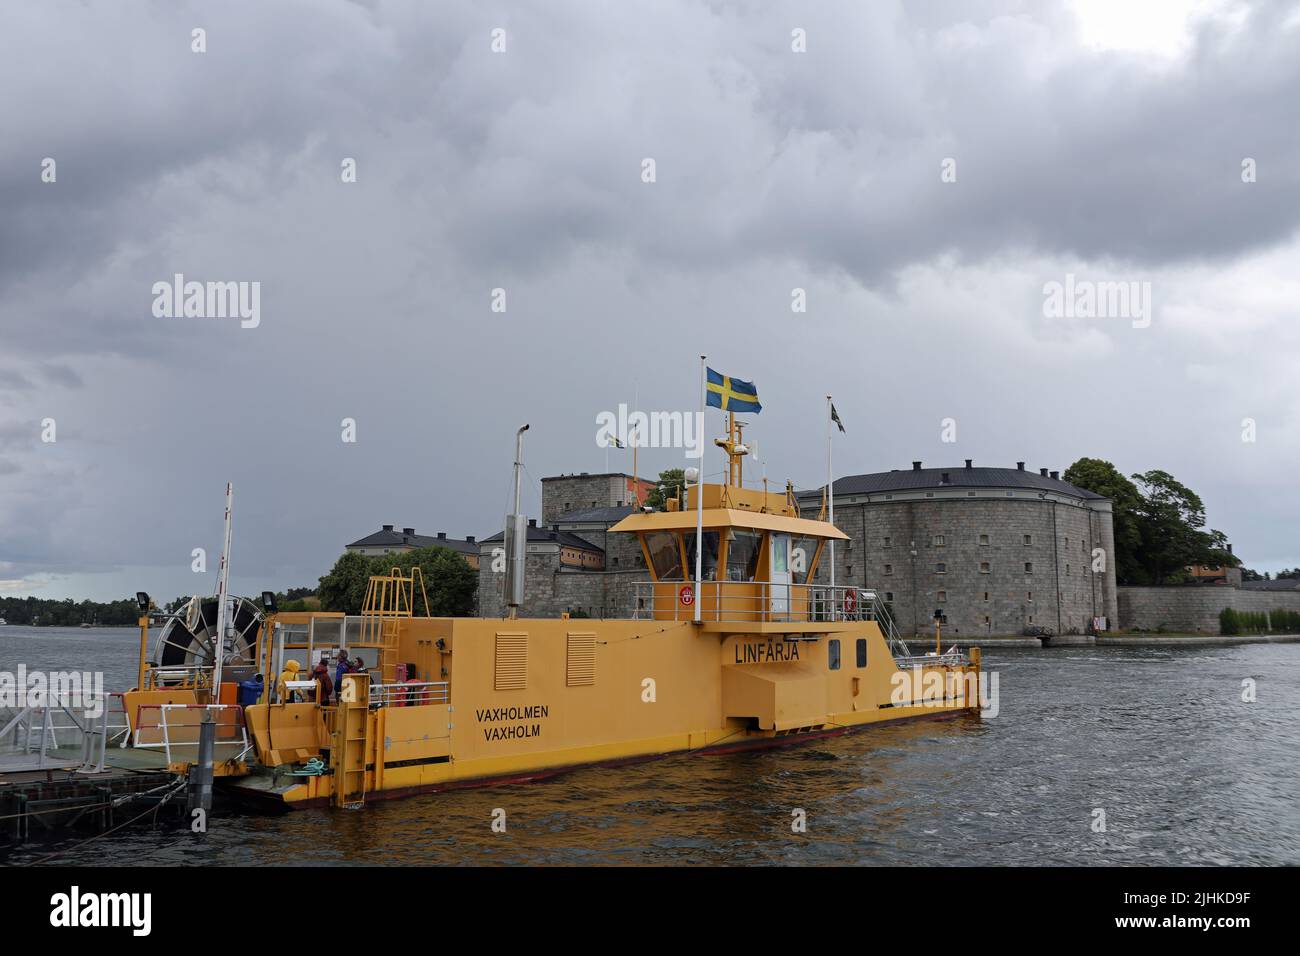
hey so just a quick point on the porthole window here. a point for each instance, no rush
(833, 653)
(862, 652)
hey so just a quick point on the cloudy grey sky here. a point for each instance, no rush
(1104, 140)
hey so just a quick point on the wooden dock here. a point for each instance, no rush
(57, 796)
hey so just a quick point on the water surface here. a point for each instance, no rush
(1157, 737)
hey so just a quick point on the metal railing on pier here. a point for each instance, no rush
(82, 726)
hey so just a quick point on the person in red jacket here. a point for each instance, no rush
(324, 686)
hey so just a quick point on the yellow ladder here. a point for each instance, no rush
(389, 598)
(350, 745)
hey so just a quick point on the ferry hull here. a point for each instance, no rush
(287, 801)
(520, 710)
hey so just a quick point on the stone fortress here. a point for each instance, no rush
(996, 549)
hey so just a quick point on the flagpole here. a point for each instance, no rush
(830, 488)
(699, 494)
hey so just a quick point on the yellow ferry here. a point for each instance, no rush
(748, 651)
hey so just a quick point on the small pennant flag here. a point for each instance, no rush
(835, 417)
(618, 443)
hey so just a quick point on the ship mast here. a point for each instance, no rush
(223, 588)
(516, 537)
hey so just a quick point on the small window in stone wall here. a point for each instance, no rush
(938, 541)
(889, 596)
(1067, 569)
(1029, 567)
(1031, 619)
(984, 541)
(941, 568)
(848, 570)
(984, 567)
(887, 542)
(1029, 595)
(1029, 539)
(889, 569)
(986, 595)
(943, 596)
(986, 619)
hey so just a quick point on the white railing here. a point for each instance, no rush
(36, 732)
(176, 728)
(754, 601)
(953, 658)
(409, 694)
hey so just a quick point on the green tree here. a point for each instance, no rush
(449, 581)
(1103, 478)
(1159, 523)
(1171, 520)
(344, 587)
(670, 485)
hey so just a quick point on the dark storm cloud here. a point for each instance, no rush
(522, 170)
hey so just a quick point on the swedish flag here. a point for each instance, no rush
(731, 394)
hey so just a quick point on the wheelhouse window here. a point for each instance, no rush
(665, 555)
(803, 551)
(743, 548)
(833, 652)
(709, 565)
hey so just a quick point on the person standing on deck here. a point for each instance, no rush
(344, 666)
(324, 686)
(290, 673)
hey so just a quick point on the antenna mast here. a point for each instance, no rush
(223, 588)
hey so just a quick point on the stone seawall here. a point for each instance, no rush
(1194, 609)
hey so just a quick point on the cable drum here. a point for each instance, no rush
(188, 639)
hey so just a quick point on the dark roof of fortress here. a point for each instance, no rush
(958, 476)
